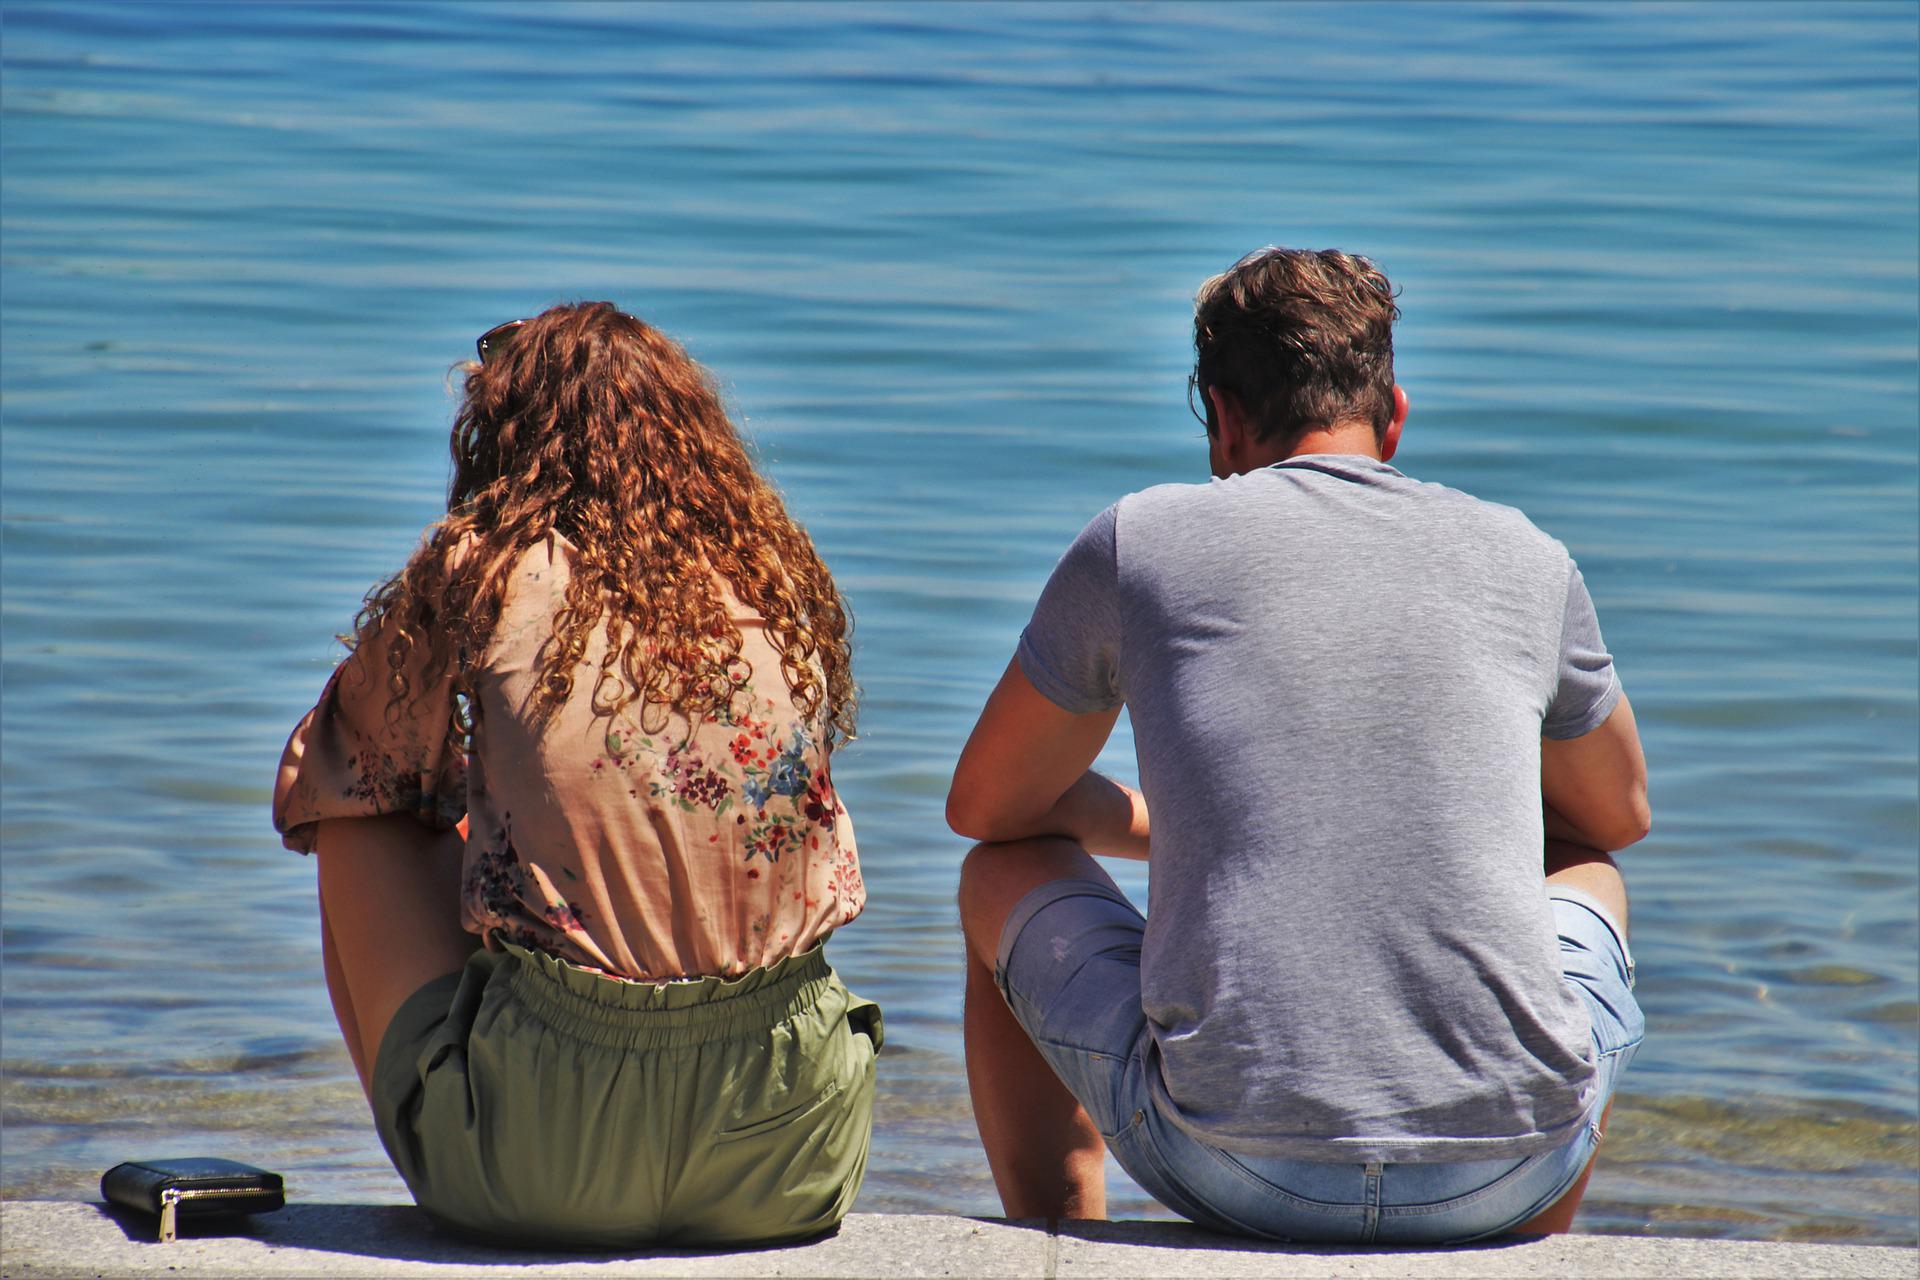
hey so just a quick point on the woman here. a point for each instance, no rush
(622, 663)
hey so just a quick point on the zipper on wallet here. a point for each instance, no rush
(170, 1205)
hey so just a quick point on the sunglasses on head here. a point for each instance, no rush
(494, 341)
(497, 339)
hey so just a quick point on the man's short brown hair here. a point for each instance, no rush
(1302, 338)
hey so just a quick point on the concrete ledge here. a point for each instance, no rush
(48, 1238)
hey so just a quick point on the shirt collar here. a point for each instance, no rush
(1345, 465)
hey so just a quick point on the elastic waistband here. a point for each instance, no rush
(638, 1015)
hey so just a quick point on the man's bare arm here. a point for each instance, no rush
(1558, 828)
(1595, 786)
(1025, 772)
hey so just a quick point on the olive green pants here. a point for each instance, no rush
(527, 1101)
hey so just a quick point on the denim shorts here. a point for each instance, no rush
(1073, 981)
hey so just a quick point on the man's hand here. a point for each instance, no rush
(1024, 772)
(1595, 786)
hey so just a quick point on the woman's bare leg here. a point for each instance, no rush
(390, 907)
(342, 998)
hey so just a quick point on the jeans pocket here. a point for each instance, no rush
(1498, 1207)
(1138, 1149)
(1133, 1147)
(1267, 1187)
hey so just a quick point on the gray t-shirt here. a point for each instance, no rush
(1338, 679)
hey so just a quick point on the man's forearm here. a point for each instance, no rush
(1561, 827)
(1102, 815)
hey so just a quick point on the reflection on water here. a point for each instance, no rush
(1659, 277)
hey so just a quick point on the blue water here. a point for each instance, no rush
(1659, 276)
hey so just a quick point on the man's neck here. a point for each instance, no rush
(1345, 437)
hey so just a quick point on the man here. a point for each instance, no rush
(1382, 990)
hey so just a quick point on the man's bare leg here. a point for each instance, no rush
(1557, 1217)
(1047, 1158)
(1574, 866)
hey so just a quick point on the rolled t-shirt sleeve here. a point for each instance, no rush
(1071, 647)
(1588, 687)
(359, 753)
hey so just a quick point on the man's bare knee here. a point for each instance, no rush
(1592, 872)
(992, 877)
(995, 876)
(1562, 854)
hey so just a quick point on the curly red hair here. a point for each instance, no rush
(596, 426)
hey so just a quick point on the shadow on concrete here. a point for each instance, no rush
(144, 1228)
(402, 1233)
(1184, 1235)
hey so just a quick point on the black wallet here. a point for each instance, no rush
(191, 1187)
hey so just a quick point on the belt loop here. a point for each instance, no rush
(1371, 1228)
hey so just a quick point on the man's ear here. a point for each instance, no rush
(1232, 433)
(1391, 443)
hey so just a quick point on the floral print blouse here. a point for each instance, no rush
(645, 845)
